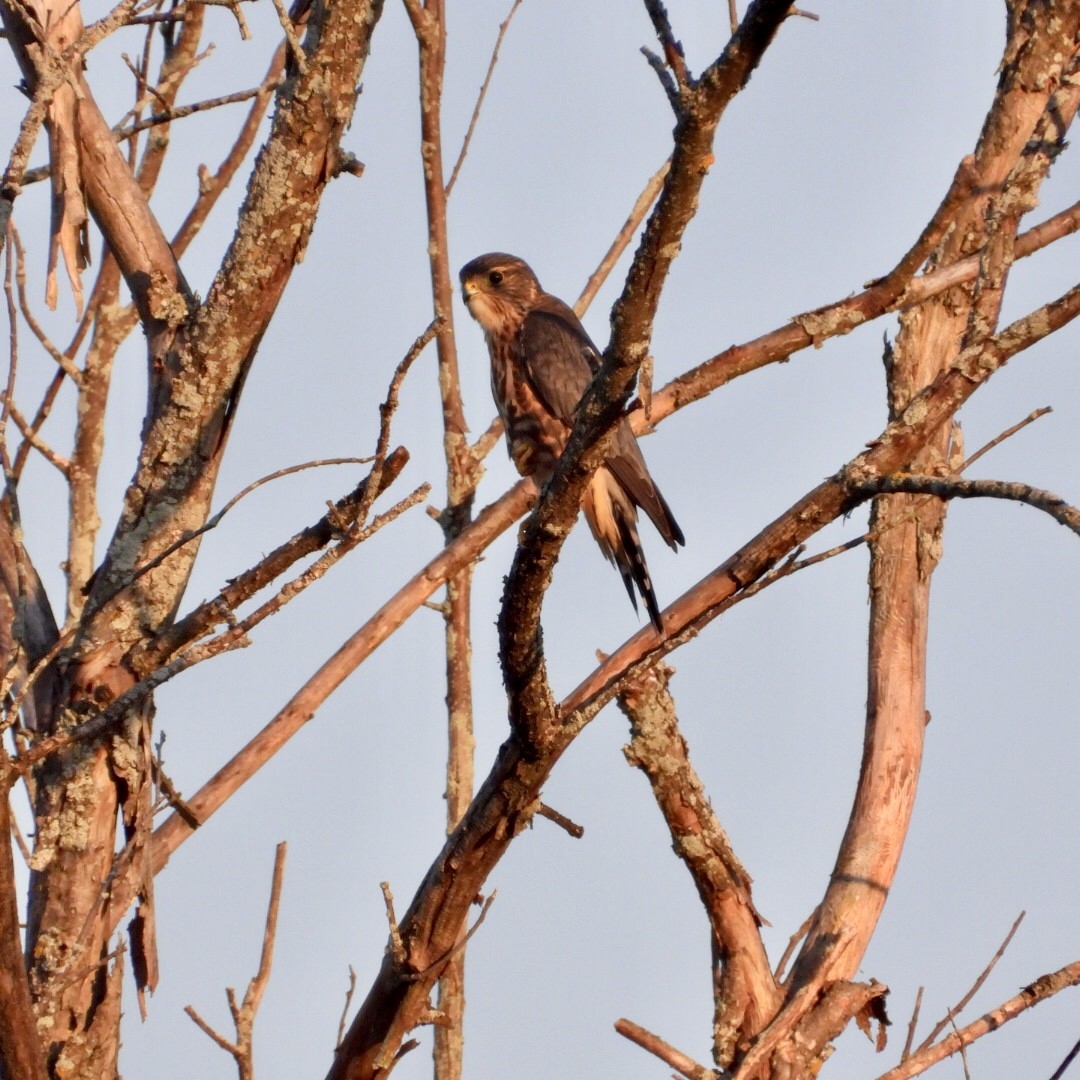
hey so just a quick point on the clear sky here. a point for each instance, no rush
(827, 167)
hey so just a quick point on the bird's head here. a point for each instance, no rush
(499, 289)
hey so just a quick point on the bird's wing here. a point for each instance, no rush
(558, 357)
(560, 361)
(629, 467)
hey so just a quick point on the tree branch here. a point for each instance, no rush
(746, 992)
(950, 487)
(1040, 990)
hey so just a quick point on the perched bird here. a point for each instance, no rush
(541, 364)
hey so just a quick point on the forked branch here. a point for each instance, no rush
(243, 1013)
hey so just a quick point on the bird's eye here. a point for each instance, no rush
(495, 277)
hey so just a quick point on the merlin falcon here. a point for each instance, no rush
(542, 362)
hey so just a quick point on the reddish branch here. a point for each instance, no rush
(1024, 127)
(746, 993)
(702, 103)
(667, 1053)
(21, 1053)
(463, 472)
(244, 1012)
(198, 360)
(813, 328)
(1038, 991)
(887, 454)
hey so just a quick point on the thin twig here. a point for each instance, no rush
(266, 958)
(214, 521)
(44, 408)
(1006, 434)
(488, 440)
(503, 27)
(460, 944)
(244, 1013)
(345, 1008)
(961, 1004)
(648, 196)
(30, 436)
(963, 1050)
(793, 941)
(290, 36)
(178, 112)
(63, 361)
(20, 840)
(206, 1029)
(912, 1023)
(667, 81)
(1059, 1072)
(397, 948)
(238, 15)
(673, 50)
(211, 613)
(211, 185)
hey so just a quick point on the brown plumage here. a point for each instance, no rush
(541, 364)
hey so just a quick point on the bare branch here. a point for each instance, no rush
(959, 1007)
(564, 823)
(1040, 990)
(912, 1023)
(296, 50)
(793, 941)
(888, 454)
(815, 327)
(948, 487)
(503, 27)
(396, 948)
(746, 993)
(214, 612)
(214, 521)
(345, 1008)
(674, 57)
(32, 438)
(667, 1053)
(211, 186)
(179, 112)
(1006, 434)
(1059, 1072)
(244, 1013)
(633, 221)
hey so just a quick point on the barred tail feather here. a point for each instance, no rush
(612, 520)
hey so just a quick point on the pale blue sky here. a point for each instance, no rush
(827, 166)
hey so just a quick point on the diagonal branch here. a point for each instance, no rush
(1046, 986)
(521, 655)
(959, 1007)
(510, 795)
(815, 327)
(244, 1012)
(746, 994)
(887, 454)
